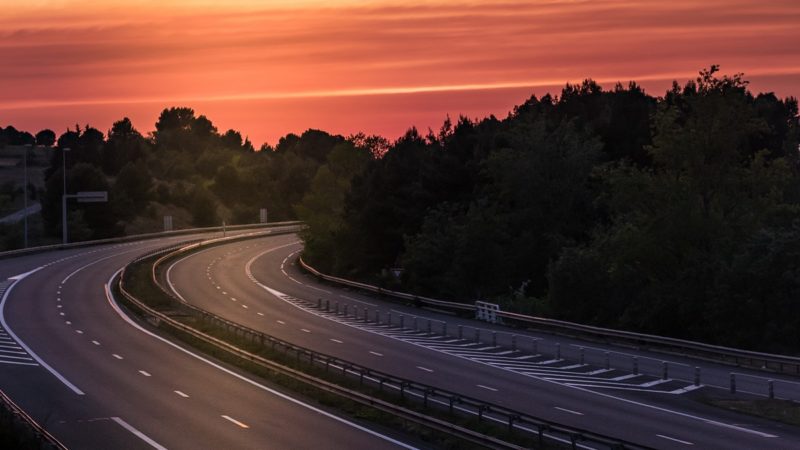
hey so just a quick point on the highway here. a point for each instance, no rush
(257, 284)
(96, 379)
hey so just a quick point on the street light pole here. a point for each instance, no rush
(64, 196)
(25, 193)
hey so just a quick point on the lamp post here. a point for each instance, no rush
(64, 195)
(25, 194)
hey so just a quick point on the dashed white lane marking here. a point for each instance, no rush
(245, 306)
(305, 330)
(138, 433)
(675, 440)
(95, 343)
(487, 388)
(224, 293)
(61, 314)
(116, 356)
(281, 322)
(337, 341)
(260, 314)
(231, 419)
(577, 413)
(425, 369)
(145, 373)
(58, 306)
(376, 353)
(68, 322)
(233, 299)
(79, 331)
(181, 394)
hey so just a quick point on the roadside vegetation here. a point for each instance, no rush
(676, 215)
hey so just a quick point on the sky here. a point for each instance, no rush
(268, 68)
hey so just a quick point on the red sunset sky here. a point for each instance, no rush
(268, 68)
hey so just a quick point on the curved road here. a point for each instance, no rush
(255, 283)
(97, 380)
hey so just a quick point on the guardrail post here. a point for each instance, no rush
(389, 318)
(460, 332)
(494, 338)
(733, 383)
(481, 409)
(429, 327)
(771, 387)
(402, 319)
(478, 335)
(514, 342)
(697, 376)
(415, 323)
(636, 365)
(319, 303)
(355, 312)
(444, 329)
(511, 419)
(535, 346)
(377, 317)
(582, 356)
(327, 305)
(345, 310)
(337, 308)
(664, 370)
(608, 361)
(558, 350)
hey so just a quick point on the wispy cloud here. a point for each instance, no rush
(89, 53)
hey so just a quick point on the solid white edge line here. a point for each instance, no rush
(130, 321)
(278, 294)
(676, 440)
(33, 354)
(138, 433)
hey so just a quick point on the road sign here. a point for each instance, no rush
(92, 196)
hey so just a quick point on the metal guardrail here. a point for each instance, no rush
(744, 358)
(46, 440)
(138, 237)
(454, 402)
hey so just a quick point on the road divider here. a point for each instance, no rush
(331, 375)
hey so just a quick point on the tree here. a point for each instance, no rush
(45, 137)
(124, 145)
(203, 208)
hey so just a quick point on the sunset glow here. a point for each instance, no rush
(270, 68)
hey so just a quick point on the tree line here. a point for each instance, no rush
(676, 215)
(185, 168)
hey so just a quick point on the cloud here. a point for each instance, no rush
(86, 53)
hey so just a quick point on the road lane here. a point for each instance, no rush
(130, 379)
(634, 419)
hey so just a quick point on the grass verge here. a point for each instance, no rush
(138, 282)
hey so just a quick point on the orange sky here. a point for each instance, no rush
(270, 68)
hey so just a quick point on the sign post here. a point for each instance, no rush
(263, 215)
(82, 197)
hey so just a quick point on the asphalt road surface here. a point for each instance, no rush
(97, 380)
(256, 283)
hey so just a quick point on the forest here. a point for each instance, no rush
(676, 215)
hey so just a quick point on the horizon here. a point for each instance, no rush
(359, 66)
